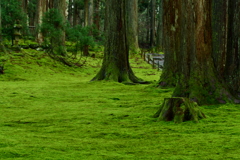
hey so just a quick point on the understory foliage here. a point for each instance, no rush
(54, 29)
(12, 11)
(81, 37)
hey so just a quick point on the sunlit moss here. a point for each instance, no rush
(50, 111)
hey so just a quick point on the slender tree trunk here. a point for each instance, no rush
(116, 65)
(61, 6)
(159, 38)
(132, 24)
(70, 12)
(41, 9)
(90, 16)
(96, 19)
(86, 12)
(0, 23)
(152, 28)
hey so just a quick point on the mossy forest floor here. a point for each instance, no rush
(52, 112)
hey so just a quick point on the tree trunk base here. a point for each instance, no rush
(179, 109)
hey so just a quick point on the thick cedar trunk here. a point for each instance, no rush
(179, 110)
(232, 69)
(219, 34)
(170, 43)
(115, 65)
(132, 25)
(197, 76)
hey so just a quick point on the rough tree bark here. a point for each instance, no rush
(159, 37)
(179, 110)
(197, 76)
(219, 34)
(70, 12)
(86, 12)
(96, 18)
(152, 22)
(116, 65)
(132, 25)
(232, 69)
(41, 9)
(170, 42)
(60, 5)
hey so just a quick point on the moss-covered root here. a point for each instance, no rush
(118, 75)
(179, 109)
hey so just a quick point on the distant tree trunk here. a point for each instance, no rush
(70, 12)
(25, 5)
(41, 9)
(171, 30)
(132, 24)
(0, 23)
(86, 12)
(197, 77)
(61, 6)
(116, 65)
(90, 15)
(152, 22)
(96, 19)
(159, 38)
(232, 69)
(76, 13)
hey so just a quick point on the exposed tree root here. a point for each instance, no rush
(179, 109)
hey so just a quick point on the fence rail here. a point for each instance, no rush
(155, 59)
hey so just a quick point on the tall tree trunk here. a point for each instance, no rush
(96, 19)
(41, 9)
(197, 76)
(70, 12)
(86, 12)
(132, 25)
(219, 34)
(61, 6)
(232, 69)
(90, 15)
(152, 22)
(159, 38)
(116, 65)
(171, 30)
(76, 14)
(0, 23)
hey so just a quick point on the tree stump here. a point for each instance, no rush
(179, 109)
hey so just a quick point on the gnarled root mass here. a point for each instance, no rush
(179, 109)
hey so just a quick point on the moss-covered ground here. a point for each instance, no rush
(53, 112)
